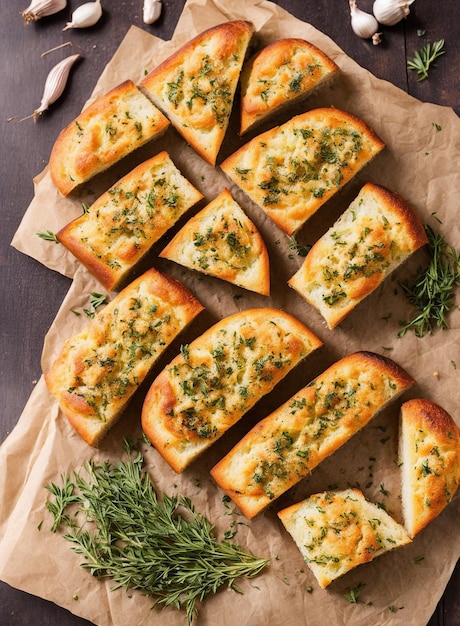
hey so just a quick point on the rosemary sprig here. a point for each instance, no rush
(433, 291)
(424, 58)
(298, 248)
(165, 549)
(48, 235)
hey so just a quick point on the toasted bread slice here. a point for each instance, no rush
(218, 377)
(121, 226)
(107, 130)
(336, 531)
(377, 233)
(281, 74)
(99, 369)
(222, 241)
(288, 444)
(195, 87)
(429, 453)
(292, 169)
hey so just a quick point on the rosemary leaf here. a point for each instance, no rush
(424, 58)
(433, 291)
(48, 236)
(163, 548)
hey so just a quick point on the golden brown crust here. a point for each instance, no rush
(336, 531)
(288, 444)
(222, 241)
(430, 462)
(217, 378)
(196, 85)
(284, 71)
(292, 169)
(107, 130)
(121, 226)
(377, 233)
(100, 368)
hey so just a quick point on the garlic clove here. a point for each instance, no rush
(85, 15)
(151, 11)
(41, 8)
(363, 24)
(55, 84)
(390, 12)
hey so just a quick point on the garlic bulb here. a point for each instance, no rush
(41, 8)
(152, 11)
(55, 84)
(363, 24)
(390, 12)
(85, 15)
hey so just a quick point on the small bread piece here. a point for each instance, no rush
(429, 453)
(222, 241)
(195, 87)
(337, 530)
(285, 446)
(99, 369)
(121, 226)
(218, 377)
(377, 233)
(107, 130)
(284, 72)
(292, 169)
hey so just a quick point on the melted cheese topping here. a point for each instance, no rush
(336, 531)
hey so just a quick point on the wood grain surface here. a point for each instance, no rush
(32, 294)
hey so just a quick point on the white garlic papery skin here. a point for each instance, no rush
(41, 8)
(152, 11)
(85, 15)
(363, 24)
(390, 12)
(55, 83)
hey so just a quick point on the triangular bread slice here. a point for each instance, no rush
(292, 169)
(336, 531)
(429, 454)
(217, 378)
(288, 444)
(195, 87)
(283, 73)
(121, 226)
(375, 235)
(109, 129)
(99, 369)
(222, 241)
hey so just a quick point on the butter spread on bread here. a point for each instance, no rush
(195, 87)
(282, 73)
(113, 126)
(377, 233)
(285, 446)
(222, 241)
(121, 226)
(99, 369)
(336, 531)
(218, 377)
(292, 169)
(429, 454)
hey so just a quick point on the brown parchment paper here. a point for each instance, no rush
(421, 163)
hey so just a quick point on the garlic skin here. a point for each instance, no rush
(85, 15)
(151, 11)
(363, 24)
(55, 84)
(41, 8)
(390, 12)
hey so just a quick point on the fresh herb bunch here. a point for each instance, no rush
(433, 292)
(424, 58)
(164, 549)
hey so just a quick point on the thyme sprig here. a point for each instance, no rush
(424, 58)
(163, 548)
(433, 292)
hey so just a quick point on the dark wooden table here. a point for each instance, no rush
(32, 294)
